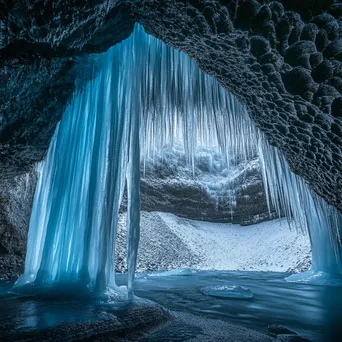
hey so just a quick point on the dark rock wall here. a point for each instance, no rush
(241, 200)
(16, 197)
(39, 68)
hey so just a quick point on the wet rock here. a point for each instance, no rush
(86, 321)
(276, 329)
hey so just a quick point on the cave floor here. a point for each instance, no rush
(314, 312)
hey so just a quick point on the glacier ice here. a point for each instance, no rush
(144, 96)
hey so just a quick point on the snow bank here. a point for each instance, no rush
(169, 242)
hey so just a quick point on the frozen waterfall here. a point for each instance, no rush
(95, 148)
(143, 90)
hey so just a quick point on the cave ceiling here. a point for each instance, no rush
(281, 59)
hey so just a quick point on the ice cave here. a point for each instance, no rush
(171, 170)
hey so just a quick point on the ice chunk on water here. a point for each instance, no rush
(227, 291)
(178, 272)
(316, 278)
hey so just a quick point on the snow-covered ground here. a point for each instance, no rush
(267, 246)
(170, 242)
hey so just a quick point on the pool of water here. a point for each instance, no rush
(314, 312)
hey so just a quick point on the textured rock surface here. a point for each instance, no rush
(16, 197)
(39, 47)
(282, 59)
(237, 197)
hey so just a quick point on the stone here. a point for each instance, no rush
(276, 329)
(298, 81)
(336, 108)
(321, 40)
(86, 320)
(309, 32)
(333, 49)
(298, 50)
(259, 46)
(316, 59)
(323, 71)
(39, 52)
(336, 10)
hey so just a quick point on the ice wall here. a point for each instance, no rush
(71, 242)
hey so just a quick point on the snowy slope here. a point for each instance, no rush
(169, 242)
(267, 246)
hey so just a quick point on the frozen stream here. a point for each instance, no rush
(314, 312)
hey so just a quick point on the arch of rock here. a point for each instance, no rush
(282, 59)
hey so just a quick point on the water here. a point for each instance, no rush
(314, 312)
(227, 291)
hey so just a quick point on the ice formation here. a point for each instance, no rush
(228, 291)
(74, 219)
(143, 87)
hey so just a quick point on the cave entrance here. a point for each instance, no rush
(95, 150)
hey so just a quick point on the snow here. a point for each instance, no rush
(169, 242)
(267, 246)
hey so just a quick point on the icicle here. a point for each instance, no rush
(133, 173)
(306, 211)
(133, 209)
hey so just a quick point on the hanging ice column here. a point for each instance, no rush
(73, 225)
(307, 212)
(182, 103)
